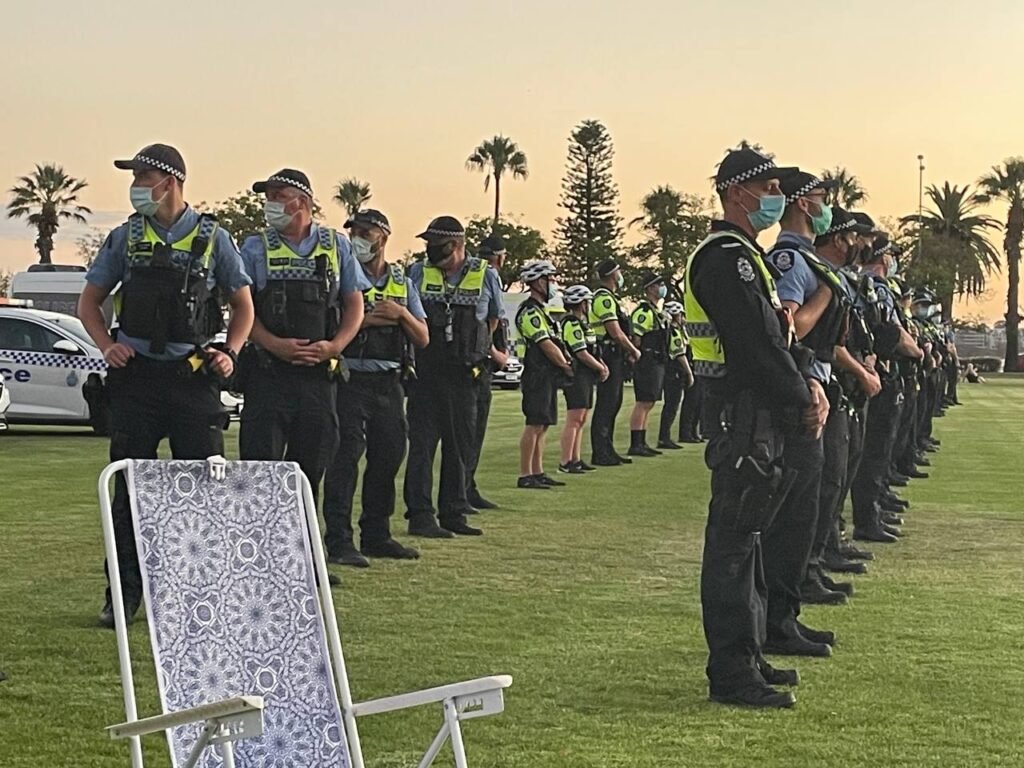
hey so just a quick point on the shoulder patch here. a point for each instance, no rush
(746, 269)
(784, 261)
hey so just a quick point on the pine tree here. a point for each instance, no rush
(591, 229)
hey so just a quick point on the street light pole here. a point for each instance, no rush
(920, 202)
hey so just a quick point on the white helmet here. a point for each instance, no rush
(535, 270)
(673, 308)
(577, 294)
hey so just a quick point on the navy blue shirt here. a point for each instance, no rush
(111, 267)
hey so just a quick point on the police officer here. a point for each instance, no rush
(611, 327)
(462, 299)
(732, 305)
(678, 377)
(371, 402)
(492, 249)
(649, 330)
(587, 369)
(176, 268)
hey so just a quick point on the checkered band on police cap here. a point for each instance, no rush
(160, 166)
(291, 183)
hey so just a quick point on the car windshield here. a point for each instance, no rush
(73, 326)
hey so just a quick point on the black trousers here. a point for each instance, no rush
(441, 409)
(788, 540)
(371, 420)
(150, 401)
(689, 414)
(857, 430)
(482, 391)
(836, 448)
(711, 406)
(290, 414)
(674, 381)
(608, 403)
(906, 435)
(879, 436)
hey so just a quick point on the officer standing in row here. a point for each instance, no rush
(461, 296)
(649, 330)
(587, 369)
(492, 249)
(739, 327)
(306, 288)
(611, 327)
(371, 402)
(678, 377)
(176, 269)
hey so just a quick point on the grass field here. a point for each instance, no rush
(588, 596)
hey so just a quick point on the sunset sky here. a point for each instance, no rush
(399, 93)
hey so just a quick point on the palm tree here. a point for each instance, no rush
(352, 194)
(1006, 182)
(849, 192)
(46, 198)
(495, 157)
(960, 238)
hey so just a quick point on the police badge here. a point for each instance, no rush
(784, 261)
(746, 270)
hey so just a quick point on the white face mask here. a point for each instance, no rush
(143, 202)
(363, 249)
(275, 215)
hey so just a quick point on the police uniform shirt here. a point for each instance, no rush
(533, 323)
(604, 307)
(574, 334)
(797, 282)
(727, 285)
(645, 319)
(110, 267)
(488, 306)
(350, 280)
(415, 307)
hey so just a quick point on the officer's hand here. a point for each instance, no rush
(118, 355)
(870, 360)
(499, 357)
(603, 375)
(634, 355)
(315, 353)
(817, 413)
(219, 363)
(870, 382)
(388, 310)
(290, 350)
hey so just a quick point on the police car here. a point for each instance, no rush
(5, 403)
(53, 370)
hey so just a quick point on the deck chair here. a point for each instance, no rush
(248, 656)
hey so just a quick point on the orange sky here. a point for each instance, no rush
(399, 93)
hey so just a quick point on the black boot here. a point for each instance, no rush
(637, 445)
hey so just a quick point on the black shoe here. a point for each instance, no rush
(774, 676)
(914, 474)
(873, 534)
(892, 530)
(584, 466)
(668, 445)
(333, 580)
(889, 518)
(348, 555)
(895, 500)
(823, 636)
(570, 469)
(455, 525)
(888, 507)
(606, 461)
(623, 459)
(763, 696)
(106, 617)
(813, 592)
(643, 451)
(934, 448)
(796, 646)
(836, 563)
(479, 502)
(847, 550)
(549, 481)
(922, 461)
(900, 481)
(843, 587)
(531, 482)
(429, 529)
(390, 549)
(689, 439)
(934, 442)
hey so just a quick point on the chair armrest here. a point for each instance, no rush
(468, 689)
(218, 710)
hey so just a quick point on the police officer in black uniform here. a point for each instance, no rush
(462, 300)
(176, 268)
(732, 302)
(371, 403)
(678, 376)
(611, 327)
(492, 249)
(649, 329)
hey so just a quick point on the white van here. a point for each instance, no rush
(54, 288)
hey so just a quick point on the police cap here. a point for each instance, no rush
(743, 165)
(286, 177)
(607, 267)
(369, 217)
(160, 157)
(443, 229)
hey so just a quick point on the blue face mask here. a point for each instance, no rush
(662, 291)
(769, 211)
(894, 268)
(552, 290)
(823, 220)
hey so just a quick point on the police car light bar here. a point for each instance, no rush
(5, 302)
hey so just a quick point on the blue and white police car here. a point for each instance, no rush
(54, 372)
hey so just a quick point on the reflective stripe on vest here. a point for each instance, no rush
(434, 287)
(396, 289)
(708, 355)
(284, 264)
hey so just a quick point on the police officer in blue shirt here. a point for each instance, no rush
(309, 306)
(371, 403)
(462, 298)
(176, 268)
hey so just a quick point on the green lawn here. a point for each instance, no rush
(588, 596)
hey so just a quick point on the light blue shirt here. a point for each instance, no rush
(111, 267)
(415, 307)
(797, 282)
(488, 307)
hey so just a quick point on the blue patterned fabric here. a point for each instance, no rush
(232, 604)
